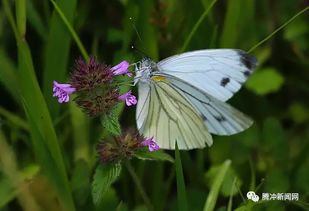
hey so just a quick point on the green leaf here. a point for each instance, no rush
(181, 188)
(216, 186)
(299, 112)
(104, 177)
(110, 201)
(111, 123)
(155, 155)
(265, 81)
(30, 171)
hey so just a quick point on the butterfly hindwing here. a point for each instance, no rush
(220, 118)
(165, 114)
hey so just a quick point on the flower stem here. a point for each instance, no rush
(139, 185)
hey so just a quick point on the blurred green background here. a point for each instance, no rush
(47, 150)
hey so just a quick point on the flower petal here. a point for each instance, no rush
(128, 98)
(121, 69)
(62, 91)
(152, 145)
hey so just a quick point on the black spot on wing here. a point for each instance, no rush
(224, 81)
(247, 60)
(247, 73)
(204, 118)
(220, 118)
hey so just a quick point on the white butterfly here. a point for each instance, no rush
(182, 98)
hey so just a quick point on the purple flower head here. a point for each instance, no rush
(62, 91)
(90, 76)
(123, 147)
(152, 145)
(96, 91)
(128, 98)
(121, 69)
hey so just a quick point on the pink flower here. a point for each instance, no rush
(121, 69)
(152, 145)
(128, 98)
(62, 91)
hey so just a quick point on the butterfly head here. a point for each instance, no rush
(143, 70)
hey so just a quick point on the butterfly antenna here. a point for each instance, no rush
(141, 52)
(135, 29)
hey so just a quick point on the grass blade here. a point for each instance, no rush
(36, 21)
(14, 119)
(230, 204)
(214, 191)
(278, 29)
(8, 75)
(230, 34)
(42, 130)
(40, 122)
(21, 17)
(181, 188)
(10, 17)
(195, 27)
(71, 30)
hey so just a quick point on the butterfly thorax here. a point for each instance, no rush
(144, 70)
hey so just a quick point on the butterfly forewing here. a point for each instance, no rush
(218, 72)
